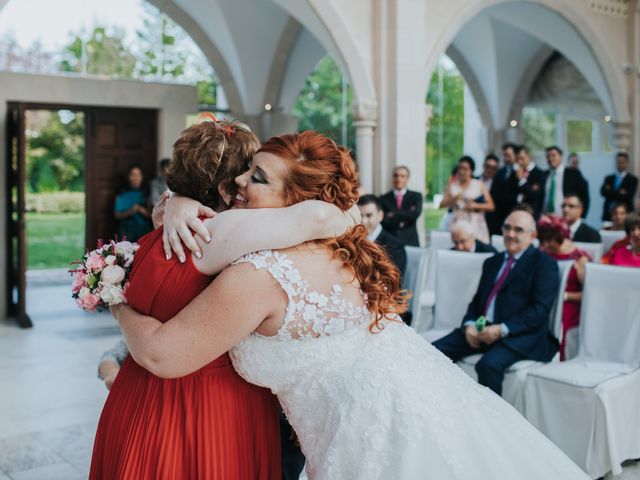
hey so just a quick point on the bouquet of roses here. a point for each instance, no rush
(102, 276)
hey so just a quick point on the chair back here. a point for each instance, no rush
(593, 249)
(415, 274)
(456, 284)
(555, 319)
(609, 237)
(437, 241)
(610, 315)
(440, 240)
(497, 241)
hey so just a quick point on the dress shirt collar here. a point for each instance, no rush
(373, 236)
(531, 166)
(401, 192)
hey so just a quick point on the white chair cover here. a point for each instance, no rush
(609, 237)
(437, 241)
(588, 405)
(516, 375)
(456, 283)
(594, 250)
(414, 278)
(498, 242)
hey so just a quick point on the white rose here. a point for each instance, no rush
(111, 295)
(84, 291)
(112, 274)
(110, 260)
(125, 247)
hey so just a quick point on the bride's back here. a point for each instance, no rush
(322, 296)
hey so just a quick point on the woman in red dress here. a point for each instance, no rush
(210, 424)
(554, 233)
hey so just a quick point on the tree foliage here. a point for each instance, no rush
(445, 140)
(104, 53)
(55, 151)
(319, 105)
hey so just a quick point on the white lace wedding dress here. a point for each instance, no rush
(384, 405)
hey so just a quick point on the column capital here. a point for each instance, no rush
(622, 133)
(365, 111)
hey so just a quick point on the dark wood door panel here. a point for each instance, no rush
(119, 138)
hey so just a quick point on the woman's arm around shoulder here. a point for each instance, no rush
(235, 233)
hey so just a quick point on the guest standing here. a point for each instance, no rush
(620, 187)
(561, 181)
(553, 233)
(469, 199)
(530, 181)
(402, 208)
(131, 211)
(159, 184)
(504, 190)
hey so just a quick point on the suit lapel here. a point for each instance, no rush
(519, 266)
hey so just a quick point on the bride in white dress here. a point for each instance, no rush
(367, 397)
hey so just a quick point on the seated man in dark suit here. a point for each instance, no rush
(572, 210)
(464, 239)
(515, 295)
(372, 216)
(402, 209)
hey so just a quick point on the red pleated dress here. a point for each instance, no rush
(209, 425)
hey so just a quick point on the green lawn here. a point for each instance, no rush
(54, 239)
(432, 217)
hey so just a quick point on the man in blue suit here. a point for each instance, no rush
(515, 295)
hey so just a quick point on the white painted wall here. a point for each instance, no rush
(174, 103)
(475, 144)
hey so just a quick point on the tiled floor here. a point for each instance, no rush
(50, 398)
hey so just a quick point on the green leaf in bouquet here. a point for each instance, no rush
(92, 280)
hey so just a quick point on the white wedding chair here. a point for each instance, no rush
(588, 405)
(498, 242)
(414, 278)
(456, 284)
(516, 375)
(438, 240)
(609, 237)
(594, 250)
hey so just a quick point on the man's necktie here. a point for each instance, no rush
(552, 193)
(399, 200)
(498, 285)
(617, 182)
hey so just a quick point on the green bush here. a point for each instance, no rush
(55, 202)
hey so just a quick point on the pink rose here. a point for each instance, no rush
(79, 281)
(95, 262)
(89, 302)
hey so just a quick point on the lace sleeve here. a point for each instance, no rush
(116, 354)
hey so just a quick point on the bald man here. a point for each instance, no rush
(515, 295)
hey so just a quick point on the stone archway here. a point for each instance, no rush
(574, 18)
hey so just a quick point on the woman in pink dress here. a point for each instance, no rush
(469, 199)
(553, 233)
(629, 256)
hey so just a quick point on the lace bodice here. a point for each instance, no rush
(376, 406)
(310, 314)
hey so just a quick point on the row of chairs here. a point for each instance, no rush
(587, 405)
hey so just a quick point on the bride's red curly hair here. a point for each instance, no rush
(320, 169)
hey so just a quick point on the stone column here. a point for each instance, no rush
(622, 133)
(364, 117)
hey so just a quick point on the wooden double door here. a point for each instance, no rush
(115, 139)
